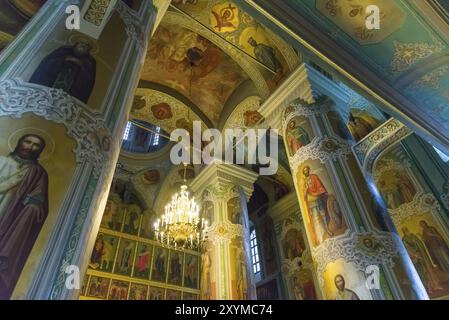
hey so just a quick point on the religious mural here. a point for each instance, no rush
(121, 268)
(207, 285)
(143, 261)
(302, 285)
(361, 123)
(191, 268)
(415, 216)
(36, 164)
(343, 282)
(160, 264)
(138, 291)
(324, 218)
(156, 293)
(296, 260)
(78, 64)
(234, 211)
(175, 268)
(98, 287)
(119, 290)
(173, 295)
(298, 135)
(235, 25)
(131, 224)
(395, 185)
(123, 265)
(293, 244)
(194, 66)
(239, 270)
(14, 15)
(113, 213)
(70, 68)
(103, 254)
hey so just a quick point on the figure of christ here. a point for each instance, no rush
(343, 293)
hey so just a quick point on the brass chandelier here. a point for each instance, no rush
(181, 227)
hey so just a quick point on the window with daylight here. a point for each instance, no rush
(156, 136)
(255, 253)
(126, 134)
(143, 137)
(442, 155)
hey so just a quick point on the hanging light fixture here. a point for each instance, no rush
(181, 227)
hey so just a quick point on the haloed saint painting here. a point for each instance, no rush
(32, 189)
(23, 206)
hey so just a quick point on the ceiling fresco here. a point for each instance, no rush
(406, 61)
(192, 65)
(14, 14)
(236, 26)
(166, 111)
(27, 7)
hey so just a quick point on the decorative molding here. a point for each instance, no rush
(134, 27)
(224, 231)
(220, 192)
(390, 164)
(407, 54)
(90, 132)
(71, 247)
(350, 248)
(422, 205)
(324, 149)
(220, 175)
(369, 149)
(179, 110)
(431, 79)
(237, 117)
(295, 86)
(301, 108)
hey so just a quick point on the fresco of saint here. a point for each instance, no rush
(69, 68)
(297, 137)
(344, 293)
(437, 247)
(315, 195)
(421, 260)
(23, 207)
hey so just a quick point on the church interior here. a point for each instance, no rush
(93, 207)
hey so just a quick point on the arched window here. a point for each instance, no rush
(126, 134)
(255, 254)
(143, 137)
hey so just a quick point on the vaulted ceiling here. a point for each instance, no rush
(201, 54)
(404, 65)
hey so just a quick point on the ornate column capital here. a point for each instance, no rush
(222, 174)
(297, 85)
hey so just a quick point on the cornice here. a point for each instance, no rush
(221, 174)
(295, 86)
(327, 87)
